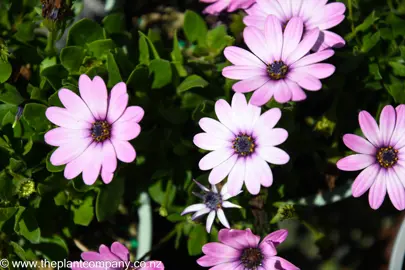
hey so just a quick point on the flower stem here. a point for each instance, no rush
(50, 44)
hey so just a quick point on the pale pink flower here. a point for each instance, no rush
(94, 130)
(314, 14)
(218, 6)
(280, 65)
(241, 143)
(242, 250)
(381, 157)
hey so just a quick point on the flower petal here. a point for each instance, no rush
(268, 249)
(304, 47)
(106, 176)
(207, 261)
(274, 36)
(266, 176)
(200, 213)
(215, 158)
(92, 169)
(277, 262)
(107, 255)
(193, 208)
(378, 190)
(94, 94)
(263, 95)
(68, 152)
(276, 237)
(252, 180)
(268, 119)
(120, 250)
(292, 33)
(241, 57)
(216, 129)
(305, 80)
(60, 136)
(233, 238)
(365, 180)
(320, 71)
(75, 105)
(370, 128)
(256, 41)
(109, 161)
(359, 144)
(125, 131)
(250, 84)
(387, 123)
(124, 150)
(271, 137)
(243, 72)
(355, 162)
(133, 114)
(252, 239)
(282, 93)
(219, 172)
(62, 117)
(313, 58)
(224, 113)
(118, 102)
(399, 126)
(297, 94)
(273, 155)
(208, 142)
(227, 204)
(272, 7)
(220, 250)
(210, 221)
(236, 177)
(396, 190)
(222, 218)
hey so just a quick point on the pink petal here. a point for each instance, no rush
(256, 41)
(359, 144)
(227, 266)
(273, 155)
(77, 165)
(364, 180)
(313, 58)
(304, 47)
(106, 176)
(287, 8)
(233, 238)
(219, 172)
(276, 237)
(331, 22)
(215, 128)
(120, 250)
(282, 93)
(93, 168)
(266, 176)
(241, 115)
(125, 131)
(355, 162)
(251, 239)
(216, 8)
(62, 117)
(297, 94)
(396, 190)
(236, 177)
(274, 36)
(252, 178)
(399, 169)
(277, 262)
(272, 7)
(250, 84)
(124, 150)
(224, 114)
(118, 102)
(292, 34)
(331, 39)
(220, 250)
(132, 114)
(207, 261)
(305, 80)
(268, 249)
(94, 94)
(254, 20)
(109, 157)
(67, 152)
(60, 136)
(378, 190)
(320, 71)
(207, 142)
(263, 95)
(296, 7)
(241, 57)
(106, 254)
(269, 119)
(326, 17)
(271, 137)
(91, 256)
(387, 123)
(75, 105)
(369, 127)
(243, 72)
(399, 126)
(215, 158)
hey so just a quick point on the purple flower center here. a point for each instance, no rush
(244, 145)
(212, 200)
(387, 156)
(277, 70)
(101, 131)
(252, 258)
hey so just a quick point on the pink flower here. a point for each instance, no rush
(314, 14)
(280, 65)
(382, 156)
(241, 249)
(114, 258)
(230, 5)
(241, 143)
(94, 130)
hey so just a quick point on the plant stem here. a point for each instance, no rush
(50, 44)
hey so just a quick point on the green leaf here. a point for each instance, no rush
(398, 68)
(53, 248)
(375, 71)
(17, 166)
(162, 71)
(51, 167)
(6, 186)
(195, 27)
(151, 45)
(397, 25)
(192, 82)
(177, 57)
(367, 23)
(54, 75)
(61, 198)
(218, 39)
(397, 91)
(26, 225)
(5, 71)
(18, 250)
(36, 93)
(10, 95)
(138, 79)
(34, 113)
(196, 239)
(144, 57)
(84, 31)
(160, 196)
(369, 41)
(84, 214)
(7, 213)
(114, 23)
(109, 198)
(72, 57)
(114, 75)
(101, 47)
(25, 31)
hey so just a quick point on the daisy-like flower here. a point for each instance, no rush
(241, 143)
(114, 258)
(314, 14)
(381, 157)
(213, 202)
(94, 130)
(280, 66)
(242, 250)
(218, 6)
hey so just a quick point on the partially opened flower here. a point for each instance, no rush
(280, 65)
(381, 156)
(213, 204)
(242, 250)
(218, 6)
(114, 258)
(314, 14)
(94, 130)
(241, 143)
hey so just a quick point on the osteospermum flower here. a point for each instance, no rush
(280, 66)
(114, 258)
(230, 5)
(381, 156)
(314, 14)
(242, 250)
(94, 130)
(213, 202)
(241, 143)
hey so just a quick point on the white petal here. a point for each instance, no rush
(200, 213)
(210, 221)
(193, 208)
(227, 204)
(222, 218)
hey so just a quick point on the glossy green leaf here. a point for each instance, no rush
(114, 75)
(398, 68)
(114, 23)
(162, 72)
(10, 95)
(369, 41)
(177, 57)
(190, 82)
(194, 27)
(196, 239)
(101, 47)
(54, 75)
(84, 214)
(26, 225)
(35, 115)
(144, 57)
(25, 31)
(72, 57)
(109, 198)
(5, 71)
(84, 31)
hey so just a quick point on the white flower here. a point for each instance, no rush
(213, 202)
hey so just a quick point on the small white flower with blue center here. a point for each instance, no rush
(213, 202)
